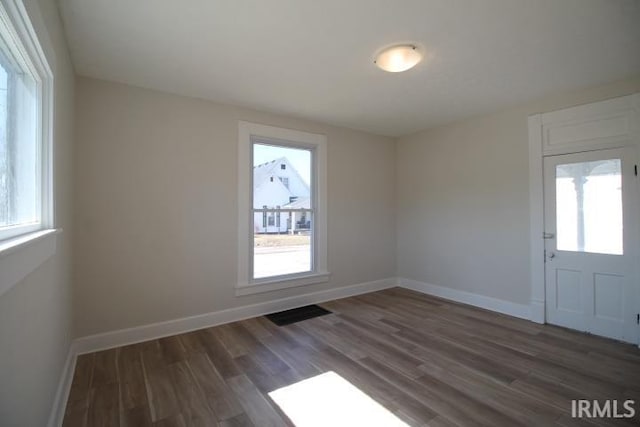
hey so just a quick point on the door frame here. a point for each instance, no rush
(558, 132)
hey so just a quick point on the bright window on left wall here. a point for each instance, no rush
(25, 154)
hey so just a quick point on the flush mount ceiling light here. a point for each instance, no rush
(398, 58)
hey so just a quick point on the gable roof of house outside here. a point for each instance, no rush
(264, 170)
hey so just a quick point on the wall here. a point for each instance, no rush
(463, 199)
(156, 206)
(35, 315)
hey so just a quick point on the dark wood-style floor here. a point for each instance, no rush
(429, 361)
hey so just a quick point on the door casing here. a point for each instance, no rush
(612, 123)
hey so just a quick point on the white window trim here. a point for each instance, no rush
(24, 248)
(13, 13)
(246, 133)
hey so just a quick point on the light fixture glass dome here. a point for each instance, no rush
(399, 58)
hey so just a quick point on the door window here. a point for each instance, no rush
(589, 207)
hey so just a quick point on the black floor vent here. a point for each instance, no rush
(288, 317)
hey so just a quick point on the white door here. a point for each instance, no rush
(591, 242)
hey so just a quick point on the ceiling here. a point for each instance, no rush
(314, 59)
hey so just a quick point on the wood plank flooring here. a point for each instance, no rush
(429, 361)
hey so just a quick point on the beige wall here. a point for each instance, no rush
(156, 215)
(35, 315)
(156, 206)
(463, 199)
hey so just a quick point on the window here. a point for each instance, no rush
(282, 228)
(25, 82)
(282, 249)
(589, 207)
(26, 95)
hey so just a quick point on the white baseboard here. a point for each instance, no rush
(137, 334)
(64, 386)
(521, 311)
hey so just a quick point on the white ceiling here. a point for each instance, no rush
(313, 58)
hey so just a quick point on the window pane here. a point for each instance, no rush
(589, 207)
(19, 154)
(281, 175)
(4, 149)
(282, 201)
(283, 252)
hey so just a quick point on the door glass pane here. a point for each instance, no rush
(589, 207)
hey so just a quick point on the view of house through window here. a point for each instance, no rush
(282, 210)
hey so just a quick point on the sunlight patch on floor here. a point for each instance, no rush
(330, 400)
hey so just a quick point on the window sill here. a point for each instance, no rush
(21, 255)
(282, 283)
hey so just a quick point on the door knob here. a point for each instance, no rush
(551, 255)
